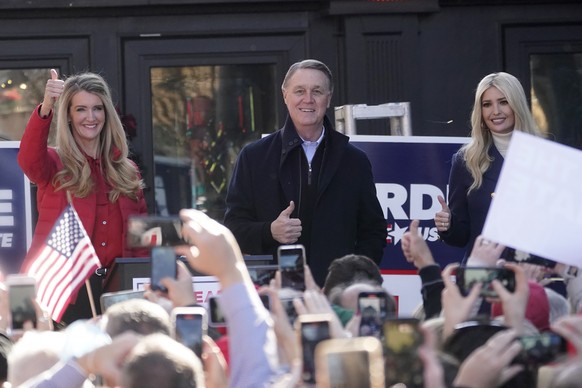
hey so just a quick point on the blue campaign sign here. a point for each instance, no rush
(15, 210)
(410, 173)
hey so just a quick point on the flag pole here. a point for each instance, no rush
(87, 283)
(90, 294)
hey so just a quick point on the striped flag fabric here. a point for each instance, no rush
(63, 263)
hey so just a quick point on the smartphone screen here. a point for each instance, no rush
(312, 333)
(402, 339)
(189, 329)
(21, 306)
(291, 265)
(350, 362)
(349, 369)
(154, 231)
(108, 299)
(163, 264)
(372, 309)
(261, 275)
(541, 348)
(469, 276)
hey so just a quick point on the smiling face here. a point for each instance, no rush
(307, 95)
(497, 114)
(87, 117)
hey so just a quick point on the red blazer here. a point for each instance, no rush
(40, 163)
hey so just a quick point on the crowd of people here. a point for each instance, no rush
(260, 347)
(305, 184)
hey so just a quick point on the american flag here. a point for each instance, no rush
(64, 262)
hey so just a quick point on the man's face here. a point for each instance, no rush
(307, 96)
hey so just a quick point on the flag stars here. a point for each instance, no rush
(66, 234)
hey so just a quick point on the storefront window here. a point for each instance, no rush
(202, 117)
(21, 90)
(556, 93)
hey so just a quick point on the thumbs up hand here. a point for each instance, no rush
(53, 90)
(415, 249)
(285, 229)
(442, 219)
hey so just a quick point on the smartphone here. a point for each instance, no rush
(163, 264)
(217, 318)
(108, 299)
(541, 348)
(21, 292)
(290, 309)
(291, 259)
(468, 276)
(402, 339)
(154, 231)
(372, 307)
(312, 329)
(189, 325)
(261, 275)
(349, 362)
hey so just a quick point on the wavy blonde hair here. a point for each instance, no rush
(475, 152)
(117, 169)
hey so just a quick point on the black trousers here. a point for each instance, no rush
(81, 309)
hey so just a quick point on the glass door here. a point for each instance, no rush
(547, 59)
(196, 103)
(201, 118)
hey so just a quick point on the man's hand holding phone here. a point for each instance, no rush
(315, 302)
(514, 303)
(214, 250)
(179, 290)
(163, 265)
(468, 276)
(456, 307)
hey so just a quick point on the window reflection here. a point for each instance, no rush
(21, 90)
(556, 92)
(202, 117)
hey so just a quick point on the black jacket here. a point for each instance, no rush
(347, 217)
(468, 212)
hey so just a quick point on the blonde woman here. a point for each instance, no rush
(89, 166)
(500, 108)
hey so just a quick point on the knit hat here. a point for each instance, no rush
(537, 310)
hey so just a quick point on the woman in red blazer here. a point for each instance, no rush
(89, 167)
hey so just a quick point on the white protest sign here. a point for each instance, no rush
(537, 206)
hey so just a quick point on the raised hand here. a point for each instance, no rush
(442, 219)
(456, 307)
(485, 253)
(53, 90)
(490, 365)
(285, 229)
(514, 303)
(214, 250)
(415, 249)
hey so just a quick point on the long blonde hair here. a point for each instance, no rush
(118, 170)
(475, 152)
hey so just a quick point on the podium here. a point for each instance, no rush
(125, 269)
